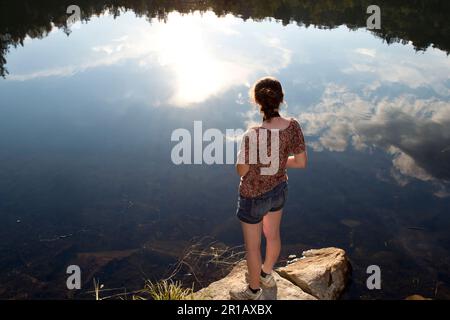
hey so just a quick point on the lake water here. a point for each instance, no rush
(87, 113)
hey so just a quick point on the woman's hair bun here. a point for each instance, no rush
(269, 92)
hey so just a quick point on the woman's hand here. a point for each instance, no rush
(298, 161)
(242, 169)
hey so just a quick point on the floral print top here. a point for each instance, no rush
(291, 142)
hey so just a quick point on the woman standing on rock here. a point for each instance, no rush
(263, 191)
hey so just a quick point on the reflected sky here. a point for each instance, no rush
(88, 117)
(197, 55)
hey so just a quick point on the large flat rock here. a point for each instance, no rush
(323, 273)
(219, 290)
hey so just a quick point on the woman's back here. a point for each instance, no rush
(290, 140)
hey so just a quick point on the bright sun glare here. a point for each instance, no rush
(198, 72)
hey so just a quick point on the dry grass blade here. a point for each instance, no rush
(168, 290)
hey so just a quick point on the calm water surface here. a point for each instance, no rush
(87, 115)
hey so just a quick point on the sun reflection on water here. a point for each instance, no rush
(199, 73)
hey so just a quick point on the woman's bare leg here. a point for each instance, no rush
(252, 238)
(271, 229)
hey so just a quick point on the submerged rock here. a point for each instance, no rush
(416, 297)
(320, 274)
(351, 223)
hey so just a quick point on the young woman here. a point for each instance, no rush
(262, 197)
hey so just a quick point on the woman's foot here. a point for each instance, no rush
(267, 280)
(246, 294)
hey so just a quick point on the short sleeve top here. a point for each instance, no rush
(291, 142)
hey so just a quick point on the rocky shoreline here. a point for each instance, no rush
(320, 274)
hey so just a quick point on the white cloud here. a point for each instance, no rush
(372, 53)
(431, 70)
(408, 167)
(415, 131)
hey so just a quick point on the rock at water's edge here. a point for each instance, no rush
(323, 273)
(319, 274)
(219, 290)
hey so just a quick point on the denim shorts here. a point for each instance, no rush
(253, 210)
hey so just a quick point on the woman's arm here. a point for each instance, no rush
(298, 161)
(242, 169)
